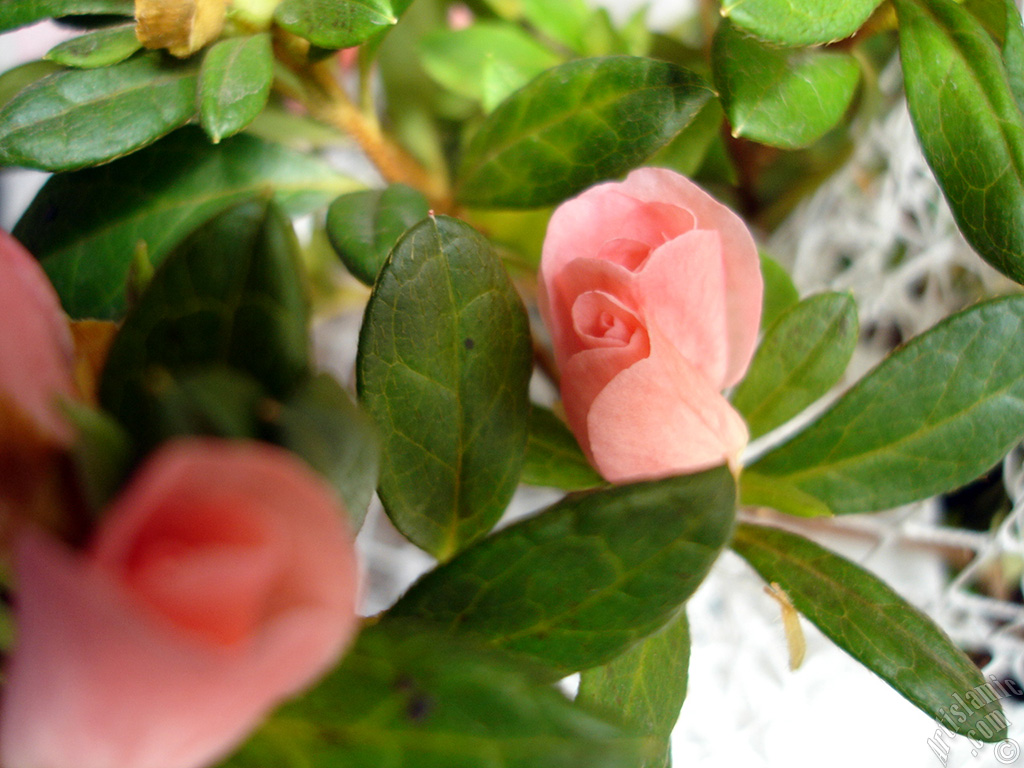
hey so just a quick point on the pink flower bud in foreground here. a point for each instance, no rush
(652, 292)
(221, 581)
(36, 351)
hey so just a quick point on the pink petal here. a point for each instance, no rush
(579, 228)
(587, 373)
(36, 349)
(630, 254)
(683, 290)
(743, 283)
(660, 417)
(112, 670)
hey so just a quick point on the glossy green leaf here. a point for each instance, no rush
(364, 226)
(645, 686)
(100, 48)
(553, 457)
(779, 292)
(443, 367)
(460, 59)
(881, 630)
(19, 13)
(321, 424)
(335, 23)
(935, 414)
(579, 583)
(234, 84)
(801, 357)
(574, 125)
(85, 227)
(969, 125)
(784, 98)
(231, 294)
(799, 22)
(76, 118)
(406, 697)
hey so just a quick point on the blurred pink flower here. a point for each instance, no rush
(652, 292)
(36, 351)
(222, 580)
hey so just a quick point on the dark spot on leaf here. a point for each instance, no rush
(50, 213)
(469, 343)
(419, 707)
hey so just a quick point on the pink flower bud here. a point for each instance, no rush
(221, 581)
(36, 350)
(652, 292)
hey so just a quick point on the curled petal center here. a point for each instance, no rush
(601, 321)
(210, 574)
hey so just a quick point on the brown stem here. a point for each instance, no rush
(327, 101)
(709, 12)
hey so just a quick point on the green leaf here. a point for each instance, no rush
(876, 626)
(231, 294)
(564, 22)
(686, 152)
(19, 13)
(992, 15)
(766, 491)
(101, 454)
(935, 414)
(321, 424)
(574, 125)
(460, 59)
(1013, 51)
(578, 584)
(784, 98)
(646, 686)
(443, 367)
(85, 227)
(969, 125)
(15, 80)
(553, 457)
(335, 23)
(100, 48)
(406, 697)
(799, 22)
(77, 118)
(779, 292)
(364, 226)
(234, 84)
(209, 400)
(802, 356)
